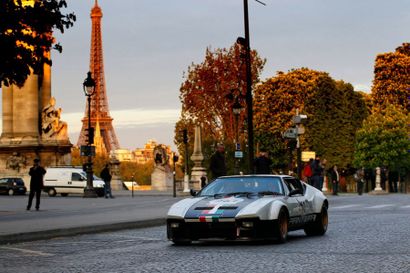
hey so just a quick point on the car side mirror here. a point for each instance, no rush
(295, 192)
(192, 192)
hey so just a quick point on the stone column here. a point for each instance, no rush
(46, 86)
(378, 189)
(197, 157)
(26, 110)
(7, 96)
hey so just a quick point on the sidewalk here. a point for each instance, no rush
(71, 215)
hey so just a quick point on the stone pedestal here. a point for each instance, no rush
(197, 157)
(378, 189)
(116, 182)
(161, 179)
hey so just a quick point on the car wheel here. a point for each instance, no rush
(180, 242)
(64, 194)
(319, 226)
(11, 192)
(281, 228)
(52, 192)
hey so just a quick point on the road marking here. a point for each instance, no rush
(406, 207)
(27, 251)
(344, 207)
(380, 206)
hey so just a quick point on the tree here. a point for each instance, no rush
(384, 139)
(208, 93)
(334, 113)
(391, 84)
(26, 37)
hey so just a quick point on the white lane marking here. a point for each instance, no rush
(380, 206)
(27, 251)
(345, 206)
(406, 207)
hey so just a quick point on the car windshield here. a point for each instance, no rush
(243, 185)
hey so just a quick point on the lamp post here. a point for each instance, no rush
(245, 42)
(237, 109)
(175, 158)
(89, 87)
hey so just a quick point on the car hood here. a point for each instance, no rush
(227, 207)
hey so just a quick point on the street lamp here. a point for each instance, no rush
(237, 109)
(245, 42)
(89, 88)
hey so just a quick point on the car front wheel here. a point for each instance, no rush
(319, 226)
(11, 192)
(52, 192)
(281, 227)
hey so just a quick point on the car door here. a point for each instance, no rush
(294, 206)
(305, 204)
(77, 182)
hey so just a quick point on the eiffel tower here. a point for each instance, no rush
(100, 113)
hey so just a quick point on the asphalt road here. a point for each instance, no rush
(366, 234)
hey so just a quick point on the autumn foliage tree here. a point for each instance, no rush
(209, 91)
(334, 113)
(26, 36)
(391, 84)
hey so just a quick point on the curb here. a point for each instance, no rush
(64, 232)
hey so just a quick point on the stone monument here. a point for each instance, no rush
(197, 157)
(116, 182)
(32, 127)
(161, 177)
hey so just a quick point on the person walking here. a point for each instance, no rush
(106, 176)
(263, 164)
(36, 183)
(334, 178)
(217, 164)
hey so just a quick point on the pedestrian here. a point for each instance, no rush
(263, 164)
(307, 172)
(217, 164)
(106, 176)
(36, 183)
(317, 173)
(335, 179)
(203, 182)
(359, 177)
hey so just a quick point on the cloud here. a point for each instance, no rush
(129, 118)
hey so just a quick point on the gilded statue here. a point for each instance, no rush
(52, 126)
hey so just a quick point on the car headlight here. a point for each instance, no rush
(174, 225)
(247, 224)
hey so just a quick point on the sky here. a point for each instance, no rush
(148, 44)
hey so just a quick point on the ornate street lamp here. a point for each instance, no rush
(89, 88)
(237, 108)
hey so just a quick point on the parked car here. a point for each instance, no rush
(12, 186)
(249, 207)
(69, 180)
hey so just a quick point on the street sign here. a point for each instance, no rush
(301, 129)
(299, 119)
(290, 133)
(306, 155)
(238, 154)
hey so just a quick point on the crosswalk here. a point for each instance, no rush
(369, 207)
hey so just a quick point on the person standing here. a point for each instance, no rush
(106, 176)
(317, 173)
(36, 183)
(359, 177)
(217, 164)
(307, 172)
(263, 164)
(334, 178)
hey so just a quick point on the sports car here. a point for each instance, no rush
(248, 207)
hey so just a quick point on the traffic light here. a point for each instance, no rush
(185, 135)
(90, 135)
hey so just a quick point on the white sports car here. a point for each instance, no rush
(249, 207)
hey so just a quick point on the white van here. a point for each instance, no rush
(68, 180)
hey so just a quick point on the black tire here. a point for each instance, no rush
(64, 194)
(319, 226)
(281, 226)
(10, 192)
(52, 192)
